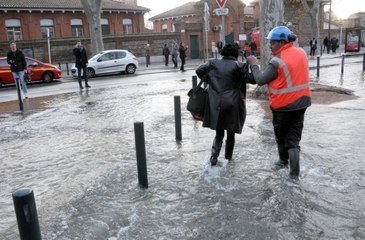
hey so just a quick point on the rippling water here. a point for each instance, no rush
(78, 156)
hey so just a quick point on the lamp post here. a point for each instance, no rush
(329, 23)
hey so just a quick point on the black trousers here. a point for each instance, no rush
(220, 135)
(84, 75)
(182, 63)
(288, 127)
(166, 60)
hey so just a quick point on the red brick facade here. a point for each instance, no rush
(31, 29)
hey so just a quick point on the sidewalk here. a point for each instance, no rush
(326, 60)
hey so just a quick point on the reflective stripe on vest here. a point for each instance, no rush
(288, 80)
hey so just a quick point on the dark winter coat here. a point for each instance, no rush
(165, 51)
(182, 51)
(81, 57)
(226, 104)
(17, 61)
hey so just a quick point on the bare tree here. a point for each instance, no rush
(314, 16)
(93, 13)
(271, 15)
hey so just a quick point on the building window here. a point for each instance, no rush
(13, 29)
(47, 24)
(105, 29)
(77, 28)
(164, 28)
(127, 26)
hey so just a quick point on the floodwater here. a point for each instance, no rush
(77, 152)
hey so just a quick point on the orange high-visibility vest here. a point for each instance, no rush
(292, 82)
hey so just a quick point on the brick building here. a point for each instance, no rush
(28, 21)
(188, 21)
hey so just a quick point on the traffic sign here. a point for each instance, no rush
(221, 11)
(221, 3)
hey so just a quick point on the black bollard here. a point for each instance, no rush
(363, 62)
(26, 214)
(68, 71)
(342, 63)
(318, 66)
(141, 154)
(177, 118)
(195, 81)
(20, 99)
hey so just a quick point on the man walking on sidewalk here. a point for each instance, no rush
(175, 49)
(81, 63)
(166, 53)
(182, 52)
(18, 66)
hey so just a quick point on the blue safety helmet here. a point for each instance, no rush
(279, 33)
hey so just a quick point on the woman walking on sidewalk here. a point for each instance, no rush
(226, 106)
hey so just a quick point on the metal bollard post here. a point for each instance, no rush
(68, 71)
(141, 154)
(363, 62)
(21, 107)
(318, 59)
(342, 63)
(26, 214)
(195, 81)
(177, 117)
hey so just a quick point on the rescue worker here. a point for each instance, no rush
(287, 77)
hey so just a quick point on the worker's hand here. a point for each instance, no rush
(252, 60)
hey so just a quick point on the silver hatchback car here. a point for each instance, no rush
(110, 61)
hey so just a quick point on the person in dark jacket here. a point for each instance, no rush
(287, 77)
(182, 53)
(81, 63)
(18, 66)
(225, 108)
(166, 53)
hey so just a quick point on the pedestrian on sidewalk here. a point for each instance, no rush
(175, 49)
(18, 66)
(166, 53)
(313, 46)
(148, 55)
(182, 53)
(225, 109)
(287, 77)
(325, 44)
(334, 44)
(81, 63)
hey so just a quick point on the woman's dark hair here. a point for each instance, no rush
(230, 50)
(292, 37)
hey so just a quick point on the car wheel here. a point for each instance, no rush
(130, 69)
(90, 72)
(47, 77)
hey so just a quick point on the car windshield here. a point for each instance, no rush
(95, 56)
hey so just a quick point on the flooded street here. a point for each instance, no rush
(77, 152)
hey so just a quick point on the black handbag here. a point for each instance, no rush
(197, 100)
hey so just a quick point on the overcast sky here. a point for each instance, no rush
(343, 8)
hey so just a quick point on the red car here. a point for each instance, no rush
(37, 71)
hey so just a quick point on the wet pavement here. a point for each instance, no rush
(76, 151)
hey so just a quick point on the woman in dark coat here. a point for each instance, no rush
(225, 108)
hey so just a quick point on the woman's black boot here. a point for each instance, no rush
(216, 148)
